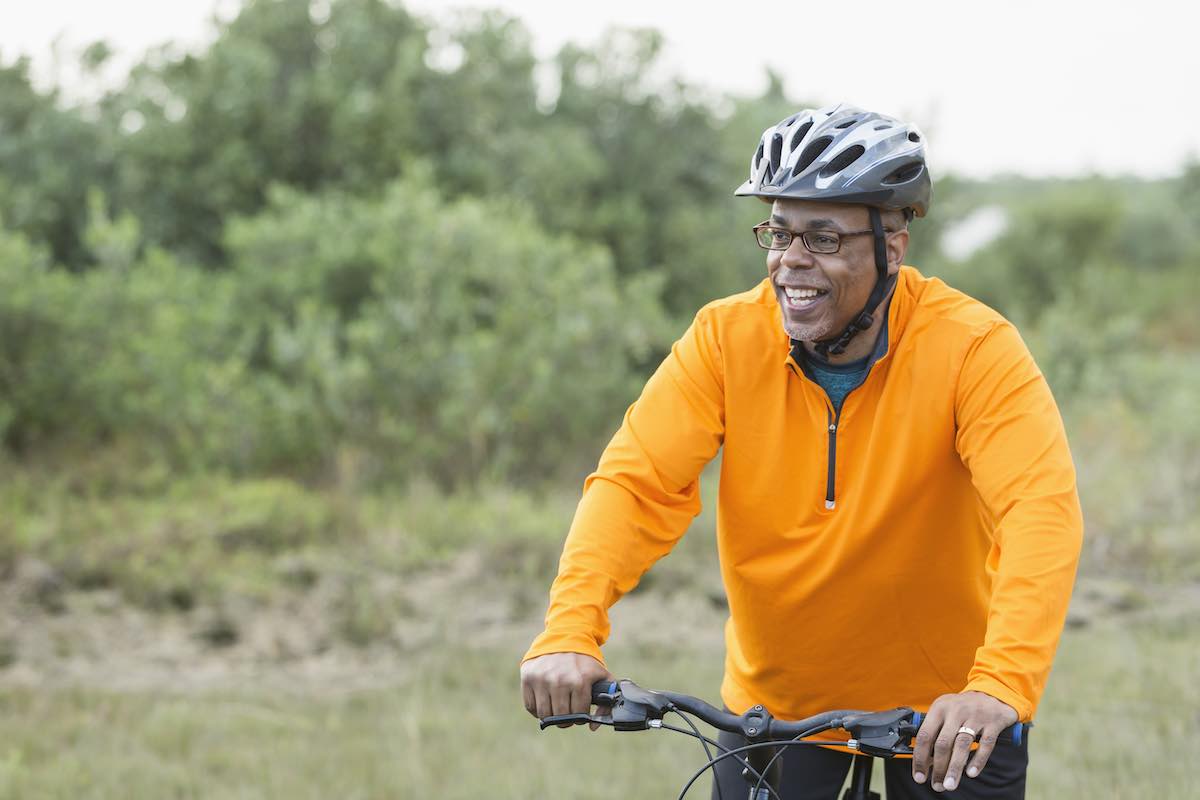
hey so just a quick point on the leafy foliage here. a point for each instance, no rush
(438, 335)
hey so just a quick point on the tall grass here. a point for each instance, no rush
(1120, 720)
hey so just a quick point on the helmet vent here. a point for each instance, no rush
(776, 151)
(758, 155)
(882, 127)
(912, 137)
(810, 154)
(799, 135)
(843, 160)
(846, 124)
(904, 174)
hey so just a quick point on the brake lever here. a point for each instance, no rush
(884, 733)
(573, 719)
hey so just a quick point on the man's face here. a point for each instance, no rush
(842, 280)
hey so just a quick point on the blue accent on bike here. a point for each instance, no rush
(917, 717)
(612, 687)
(1018, 732)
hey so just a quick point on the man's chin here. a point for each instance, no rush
(807, 333)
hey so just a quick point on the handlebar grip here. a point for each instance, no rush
(1017, 730)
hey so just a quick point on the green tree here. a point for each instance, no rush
(280, 97)
(49, 159)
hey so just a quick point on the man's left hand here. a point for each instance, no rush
(942, 750)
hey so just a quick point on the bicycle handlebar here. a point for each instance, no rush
(882, 733)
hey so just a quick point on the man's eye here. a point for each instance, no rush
(824, 240)
(780, 236)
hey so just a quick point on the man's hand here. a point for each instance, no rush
(939, 740)
(561, 683)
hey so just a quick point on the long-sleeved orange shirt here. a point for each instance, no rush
(923, 542)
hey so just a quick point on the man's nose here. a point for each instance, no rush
(797, 256)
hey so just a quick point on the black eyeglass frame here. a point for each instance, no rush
(764, 226)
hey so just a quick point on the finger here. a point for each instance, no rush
(542, 702)
(601, 711)
(923, 750)
(581, 699)
(528, 697)
(958, 757)
(987, 743)
(560, 701)
(943, 748)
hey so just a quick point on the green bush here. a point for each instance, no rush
(139, 348)
(455, 340)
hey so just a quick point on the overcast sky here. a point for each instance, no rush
(1050, 87)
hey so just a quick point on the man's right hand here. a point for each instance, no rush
(561, 683)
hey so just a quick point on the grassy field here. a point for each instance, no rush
(255, 640)
(1120, 720)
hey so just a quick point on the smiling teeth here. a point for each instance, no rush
(801, 294)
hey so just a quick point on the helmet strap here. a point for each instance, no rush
(836, 345)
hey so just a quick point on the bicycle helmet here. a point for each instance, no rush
(843, 154)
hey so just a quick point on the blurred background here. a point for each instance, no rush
(314, 315)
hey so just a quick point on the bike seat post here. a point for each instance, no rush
(860, 780)
(774, 776)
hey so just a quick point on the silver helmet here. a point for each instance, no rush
(842, 154)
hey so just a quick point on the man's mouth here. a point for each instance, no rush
(798, 298)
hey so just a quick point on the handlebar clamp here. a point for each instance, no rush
(756, 724)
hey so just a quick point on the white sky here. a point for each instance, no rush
(1052, 87)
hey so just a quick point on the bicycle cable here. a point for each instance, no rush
(774, 758)
(726, 752)
(704, 742)
(755, 746)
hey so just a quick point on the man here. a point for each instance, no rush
(898, 521)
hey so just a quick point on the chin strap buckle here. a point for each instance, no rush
(861, 323)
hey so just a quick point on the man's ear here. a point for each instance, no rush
(896, 245)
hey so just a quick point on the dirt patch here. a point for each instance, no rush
(303, 638)
(362, 629)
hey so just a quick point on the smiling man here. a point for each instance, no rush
(898, 521)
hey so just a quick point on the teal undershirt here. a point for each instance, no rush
(839, 379)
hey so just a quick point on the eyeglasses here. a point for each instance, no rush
(823, 242)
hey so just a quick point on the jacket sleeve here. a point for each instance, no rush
(642, 496)
(1011, 438)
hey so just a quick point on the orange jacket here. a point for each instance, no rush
(932, 551)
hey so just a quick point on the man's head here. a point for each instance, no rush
(842, 281)
(857, 174)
